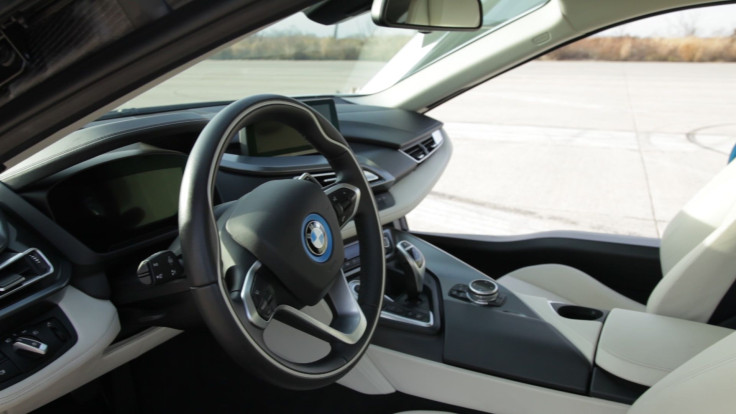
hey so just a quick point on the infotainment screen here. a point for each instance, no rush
(269, 139)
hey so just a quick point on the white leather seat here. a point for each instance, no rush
(697, 254)
(704, 384)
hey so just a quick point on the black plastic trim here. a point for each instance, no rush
(630, 269)
(610, 387)
(509, 341)
(391, 127)
(130, 63)
(26, 365)
(514, 346)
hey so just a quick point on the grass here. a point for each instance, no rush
(687, 49)
(308, 47)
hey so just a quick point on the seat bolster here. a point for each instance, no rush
(566, 284)
(704, 384)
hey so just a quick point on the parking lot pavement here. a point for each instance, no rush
(610, 147)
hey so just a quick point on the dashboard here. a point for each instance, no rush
(116, 201)
(79, 216)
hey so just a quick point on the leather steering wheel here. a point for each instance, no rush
(278, 249)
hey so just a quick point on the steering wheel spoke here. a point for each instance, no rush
(262, 295)
(264, 301)
(348, 323)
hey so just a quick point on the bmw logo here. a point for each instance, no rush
(316, 238)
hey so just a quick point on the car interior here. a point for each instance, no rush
(254, 254)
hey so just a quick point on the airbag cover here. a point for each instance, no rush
(291, 227)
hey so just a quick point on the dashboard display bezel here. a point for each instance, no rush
(102, 234)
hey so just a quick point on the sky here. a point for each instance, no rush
(705, 21)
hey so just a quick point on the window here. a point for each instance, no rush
(610, 134)
(299, 57)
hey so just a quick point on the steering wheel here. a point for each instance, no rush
(279, 249)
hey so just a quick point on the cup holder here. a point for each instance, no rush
(579, 312)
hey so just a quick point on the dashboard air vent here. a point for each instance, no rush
(419, 152)
(429, 144)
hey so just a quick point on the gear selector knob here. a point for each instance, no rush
(415, 266)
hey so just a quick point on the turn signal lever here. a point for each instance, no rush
(412, 263)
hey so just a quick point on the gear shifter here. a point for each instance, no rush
(411, 261)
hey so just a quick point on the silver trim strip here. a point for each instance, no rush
(392, 316)
(250, 308)
(352, 322)
(482, 297)
(27, 281)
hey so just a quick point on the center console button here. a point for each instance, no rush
(482, 291)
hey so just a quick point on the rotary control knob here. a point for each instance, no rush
(482, 291)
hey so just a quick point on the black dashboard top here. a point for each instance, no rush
(114, 184)
(389, 127)
(374, 127)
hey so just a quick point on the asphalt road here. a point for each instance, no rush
(610, 147)
(598, 146)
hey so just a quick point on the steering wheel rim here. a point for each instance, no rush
(244, 239)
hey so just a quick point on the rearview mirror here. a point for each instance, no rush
(428, 15)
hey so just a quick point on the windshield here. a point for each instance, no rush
(298, 57)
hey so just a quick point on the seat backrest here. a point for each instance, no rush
(698, 252)
(704, 384)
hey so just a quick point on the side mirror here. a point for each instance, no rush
(428, 15)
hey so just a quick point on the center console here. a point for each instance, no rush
(481, 327)
(411, 299)
(439, 308)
